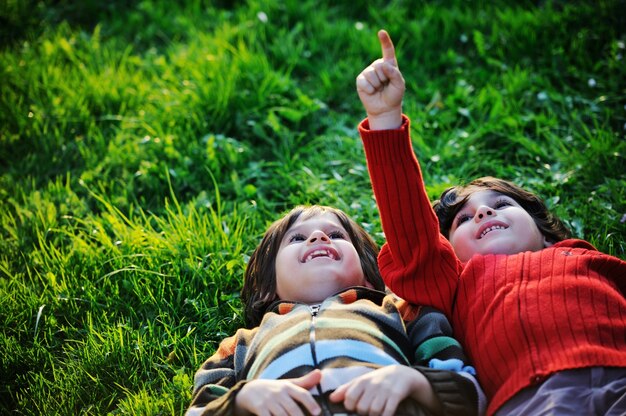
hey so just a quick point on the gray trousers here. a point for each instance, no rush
(586, 391)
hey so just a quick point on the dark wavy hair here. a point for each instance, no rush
(453, 199)
(259, 287)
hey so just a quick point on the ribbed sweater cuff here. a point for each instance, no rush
(386, 147)
(457, 394)
(217, 405)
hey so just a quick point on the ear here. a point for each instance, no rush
(547, 243)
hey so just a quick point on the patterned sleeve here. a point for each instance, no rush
(217, 382)
(440, 357)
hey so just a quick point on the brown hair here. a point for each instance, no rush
(453, 199)
(259, 287)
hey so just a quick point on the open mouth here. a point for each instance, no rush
(320, 252)
(487, 228)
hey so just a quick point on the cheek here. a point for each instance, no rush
(457, 237)
(281, 264)
(532, 228)
(353, 263)
(461, 242)
(451, 235)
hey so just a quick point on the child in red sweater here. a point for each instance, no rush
(542, 316)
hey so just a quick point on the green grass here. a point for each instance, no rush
(145, 147)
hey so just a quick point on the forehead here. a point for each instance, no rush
(316, 220)
(482, 196)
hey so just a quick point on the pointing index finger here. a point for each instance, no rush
(389, 52)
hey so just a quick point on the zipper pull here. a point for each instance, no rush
(314, 309)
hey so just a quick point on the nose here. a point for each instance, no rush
(319, 237)
(482, 212)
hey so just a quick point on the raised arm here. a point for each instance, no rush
(416, 262)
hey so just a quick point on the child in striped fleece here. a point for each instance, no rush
(542, 316)
(324, 338)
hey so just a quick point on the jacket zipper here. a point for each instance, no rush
(314, 311)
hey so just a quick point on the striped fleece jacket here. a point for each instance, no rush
(349, 334)
(520, 317)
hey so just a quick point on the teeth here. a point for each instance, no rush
(487, 230)
(319, 253)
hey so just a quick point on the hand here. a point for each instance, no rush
(278, 397)
(381, 391)
(381, 87)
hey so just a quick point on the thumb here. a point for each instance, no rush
(309, 380)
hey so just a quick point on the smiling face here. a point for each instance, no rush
(492, 223)
(316, 259)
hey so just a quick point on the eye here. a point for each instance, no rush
(337, 235)
(296, 238)
(501, 203)
(461, 218)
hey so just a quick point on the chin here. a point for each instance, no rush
(511, 250)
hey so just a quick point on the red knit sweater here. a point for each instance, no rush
(520, 317)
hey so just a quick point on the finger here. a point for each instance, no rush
(304, 398)
(390, 407)
(364, 403)
(379, 68)
(389, 52)
(375, 75)
(274, 408)
(309, 380)
(278, 411)
(392, 74)
(363, 85)
(339, 394)
(291, 408)
(377, 405)
(369, 81)
(352, 397)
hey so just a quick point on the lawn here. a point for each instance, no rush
(146, 146)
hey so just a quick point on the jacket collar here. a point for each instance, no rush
(346, 297)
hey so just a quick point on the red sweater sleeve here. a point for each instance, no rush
(416, 261)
